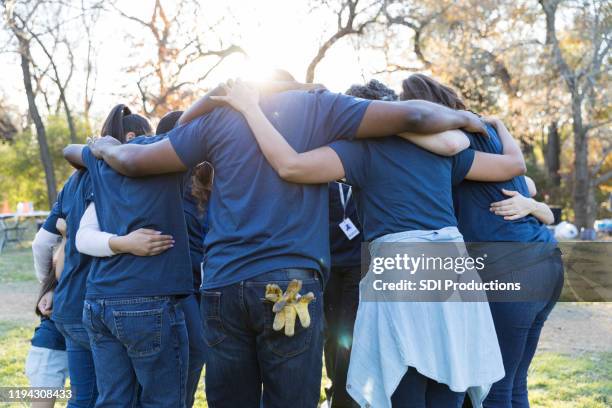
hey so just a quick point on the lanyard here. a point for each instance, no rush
(344, 201)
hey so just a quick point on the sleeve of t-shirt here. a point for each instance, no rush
(462, 163)
(190, 141)
(54, 214)
(344, 114)
(354, 158)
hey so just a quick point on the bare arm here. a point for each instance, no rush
(74, 155)
(419, 117)
(134, 160)
(496, 167)
(447, 143)
(519, 206)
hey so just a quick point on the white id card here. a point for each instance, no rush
(349, 228)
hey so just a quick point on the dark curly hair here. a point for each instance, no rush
(374, 90)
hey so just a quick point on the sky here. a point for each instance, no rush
(274, 34)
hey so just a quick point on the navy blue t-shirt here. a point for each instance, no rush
(194, 218)
(125, 204)
(473, 199)
(258, 221)
(70, 205)
(47, 336)
(344, 251)
(399, 186)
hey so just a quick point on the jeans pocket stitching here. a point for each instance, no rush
(307, 331)
(156, 343)
(213, 314)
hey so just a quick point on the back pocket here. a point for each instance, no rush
(283, 345)
(139, 330)
(214, 332)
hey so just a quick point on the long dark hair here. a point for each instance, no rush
(201, 184)
(419, 86)
(121, 121)
(168, 122)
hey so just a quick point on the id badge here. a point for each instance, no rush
(349, 229)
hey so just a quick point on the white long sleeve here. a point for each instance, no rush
(42, 248)
(89, 239)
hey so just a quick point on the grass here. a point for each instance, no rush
(16, 265)
(555, 380)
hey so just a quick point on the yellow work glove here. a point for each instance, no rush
(289, 304)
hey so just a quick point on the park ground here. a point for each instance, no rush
(572, 368)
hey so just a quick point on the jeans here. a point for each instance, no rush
(518, 326)
(341, 301)
(140, 351)
(417, 391)
(245, 353)
(80, 365)
(197, 345)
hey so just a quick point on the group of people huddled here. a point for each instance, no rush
(232, 239)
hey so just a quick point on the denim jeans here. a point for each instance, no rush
(197, 345)
(80, 365)
(417, 391)
(518, 326)
(245, 353)
(140, 351)
(341, 300)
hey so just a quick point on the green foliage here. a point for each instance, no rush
(21, 173)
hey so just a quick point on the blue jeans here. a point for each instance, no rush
(518, 326)
(197, 345)
(80, 365)
(140, 351)
(417, 391)
(245, 353)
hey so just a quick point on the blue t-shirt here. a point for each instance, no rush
(70, 205)
(125, 204)
(473, 199)
(259, 222)
(400, 187)
(344, 251)
(47, 336)
(194, 218)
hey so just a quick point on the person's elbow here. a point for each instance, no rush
(455, 145)
(518, 167)
(289, 172)
(414, 120)
(79, 241)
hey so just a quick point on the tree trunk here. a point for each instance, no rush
(583, 190)
(553, 153)
(41, 135)
(69, 119)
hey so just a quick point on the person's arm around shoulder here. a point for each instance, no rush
(447, 143)
(383, 118)
(498, 167)
(313, 167)
(136, 160)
